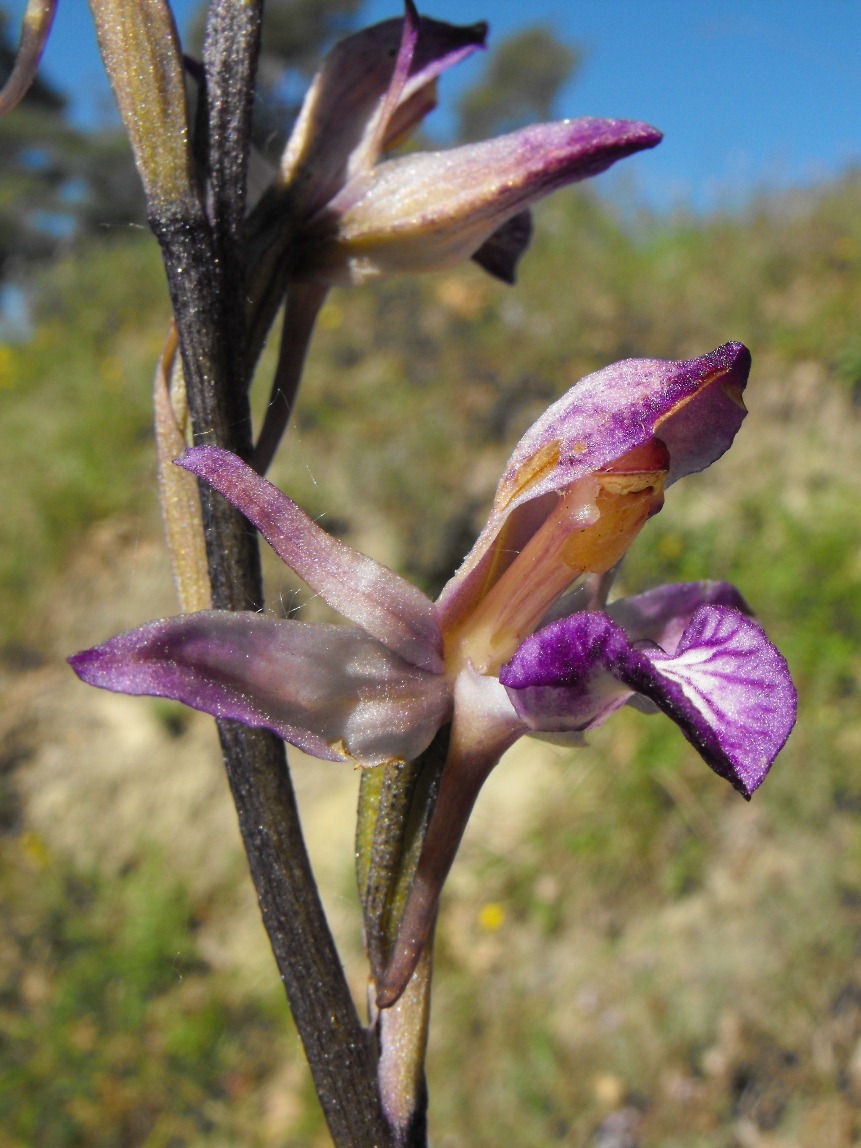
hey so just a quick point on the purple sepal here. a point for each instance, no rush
(362, 590)
(725, 685)
(347, 116)
(333, 691)
(430, 210)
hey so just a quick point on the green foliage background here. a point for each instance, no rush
(652, 945)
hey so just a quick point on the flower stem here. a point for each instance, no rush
(202, 250)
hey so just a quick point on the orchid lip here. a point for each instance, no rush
(724, 684)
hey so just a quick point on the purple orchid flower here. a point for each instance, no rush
(354, 216)
(358, 218)
(521, 639)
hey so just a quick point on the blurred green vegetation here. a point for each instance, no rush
(76, 412)
(653, 946)
(113, 1029)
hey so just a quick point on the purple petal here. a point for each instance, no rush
(726, 686)
(430, 210)
(366, 156)
(344, 109)
(562, 679)
(330, 690)
(661, 615)
(439, 47)
(694, 406)
(369, 594)
(729, 690)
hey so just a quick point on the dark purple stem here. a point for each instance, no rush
(202, 251)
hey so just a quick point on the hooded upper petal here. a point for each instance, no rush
(333, 691)
(430, 210)
(725, 685)
(694, 407)
(369, 594)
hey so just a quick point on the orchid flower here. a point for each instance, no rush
(357, 218)
(520, 641)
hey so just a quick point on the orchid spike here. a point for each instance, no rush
(521, 640)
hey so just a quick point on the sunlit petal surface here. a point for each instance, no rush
(330, 690)
(725, 685)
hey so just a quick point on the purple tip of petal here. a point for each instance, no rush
(694, 406)
(590, 146)
(726, 686)
(441, 45)
(403, 64)
(519, 168)
(699, 431)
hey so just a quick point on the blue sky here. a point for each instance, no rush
(749, 93)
